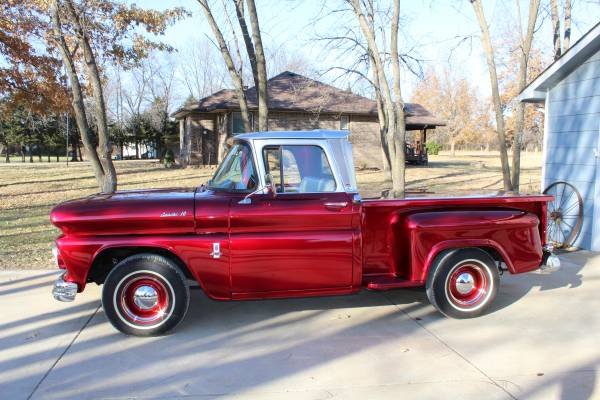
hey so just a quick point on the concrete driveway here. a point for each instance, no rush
(541, 341)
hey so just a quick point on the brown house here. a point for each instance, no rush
(297, 103)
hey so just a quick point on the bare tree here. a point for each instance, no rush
(260, 78)
(392, 106)
(200, 73)
(104, 169)
(556, 37)
(234, 73)
(255, 51)
(567, 27)
(85, 32)
(486, 42)
(555, 28)
(525, 40)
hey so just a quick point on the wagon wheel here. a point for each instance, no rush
(565, 214)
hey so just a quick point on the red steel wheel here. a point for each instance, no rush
(468, 285)
(463, 283)
(145, 295)
(144, 299)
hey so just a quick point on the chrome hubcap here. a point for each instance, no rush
(145, 297)
(465, 283)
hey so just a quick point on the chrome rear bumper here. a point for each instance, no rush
(550, 261)
(63, 290)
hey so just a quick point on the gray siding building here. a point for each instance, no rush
(570, 91)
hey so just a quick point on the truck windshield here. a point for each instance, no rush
(236, 172)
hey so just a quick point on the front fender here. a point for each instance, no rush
(194, 251)
(513, 234)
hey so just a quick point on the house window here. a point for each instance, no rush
(237, 124)
(344, 122)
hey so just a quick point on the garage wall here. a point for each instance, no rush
(572, 146)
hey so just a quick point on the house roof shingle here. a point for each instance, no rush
(289, 91)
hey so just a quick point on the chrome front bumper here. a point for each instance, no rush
(63, 290)
(550, 261)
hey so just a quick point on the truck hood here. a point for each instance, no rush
(162, 211)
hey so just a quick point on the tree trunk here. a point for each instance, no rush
(239, 11)
(399, 138)
(102, 165)
(555, 28)
(109, 181)
(567, 34)
(452, 150)
(7, 154)
(185, 143)
(222, 137)
(489, 54)
(381, 116)
(383, 125)
(233, 73)
(73, 151)
(525, 47)
(261, 67)
(392, 140)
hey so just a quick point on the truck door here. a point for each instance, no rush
(299, 239)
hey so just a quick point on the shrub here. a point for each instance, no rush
(169, 159)
(433, 148)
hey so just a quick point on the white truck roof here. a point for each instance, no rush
(314, 134)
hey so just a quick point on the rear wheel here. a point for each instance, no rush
(145, 295)
(463, 283)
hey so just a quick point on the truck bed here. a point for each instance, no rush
(400, 235)
(457, 197)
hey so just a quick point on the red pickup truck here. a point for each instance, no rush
(282, 218)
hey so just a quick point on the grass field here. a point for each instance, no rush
(29, 191)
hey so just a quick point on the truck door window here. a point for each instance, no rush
(273, 166)
(236, 172)
(299, 169)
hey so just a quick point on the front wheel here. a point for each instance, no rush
(463, 283)
(145, 295)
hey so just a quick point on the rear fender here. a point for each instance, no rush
(512, 234)
(444, 247)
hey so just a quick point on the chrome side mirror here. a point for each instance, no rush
(269, 185)
(268, 188)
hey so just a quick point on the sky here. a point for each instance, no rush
(435, 28)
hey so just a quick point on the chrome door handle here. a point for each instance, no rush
(336, 205)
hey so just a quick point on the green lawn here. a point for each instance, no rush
(29, 191)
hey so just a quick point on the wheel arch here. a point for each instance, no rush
(108, 257)
(442, 249)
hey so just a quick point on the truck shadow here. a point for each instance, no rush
(237, 347)
(514, 287)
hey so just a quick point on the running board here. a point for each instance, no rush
(390, 282)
